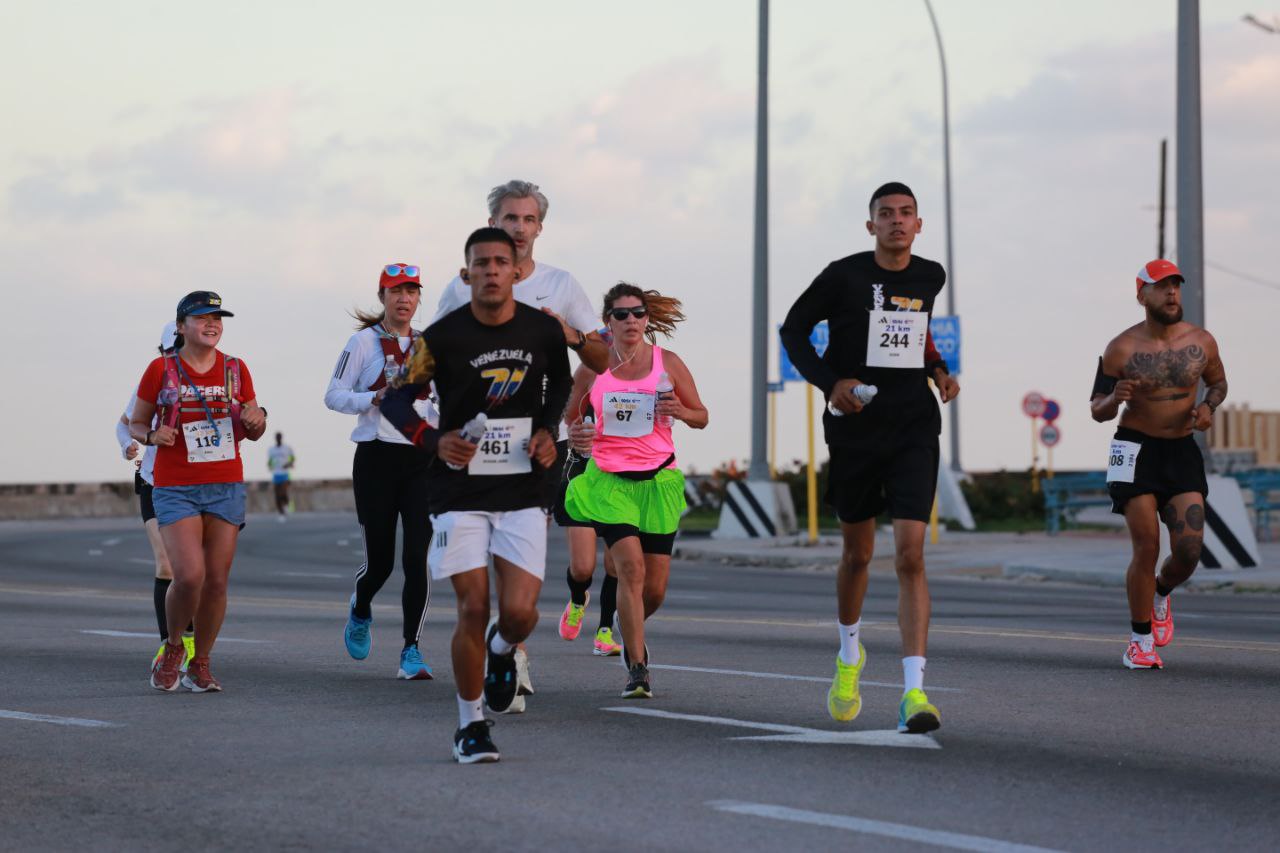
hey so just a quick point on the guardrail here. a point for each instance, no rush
(32, 501)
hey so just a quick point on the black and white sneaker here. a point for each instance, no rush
(637, 683)
(501, 681)
(472, 745)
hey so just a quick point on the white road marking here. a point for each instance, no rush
(110, 542)
(141, 560)
(58, 721)
(95, 552)
(688, 596)
(795, 734)
(344, 542)
(310, 574)
(221, 639)
(781, 676)
(902, 831)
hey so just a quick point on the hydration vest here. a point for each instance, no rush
(171, 403)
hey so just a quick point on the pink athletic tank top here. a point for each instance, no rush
(628, 434)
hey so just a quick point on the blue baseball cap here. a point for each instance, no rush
(199, 302)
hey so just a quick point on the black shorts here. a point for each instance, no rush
(661, 544)
(143, 490)
(899, 474)
(567, 467)
(1166, 467)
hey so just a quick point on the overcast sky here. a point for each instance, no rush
(281, 153)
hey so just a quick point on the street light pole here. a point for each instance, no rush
(946, 185)
(759, 469)
(1190, 188)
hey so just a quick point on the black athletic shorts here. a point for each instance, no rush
(567, 467)
(1166, 467)
(899, 474)
(143, 490)
(661, 544)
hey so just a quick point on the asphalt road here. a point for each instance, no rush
(1047, 741)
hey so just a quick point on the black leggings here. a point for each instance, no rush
(390, 483)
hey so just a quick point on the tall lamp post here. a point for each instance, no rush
(946, 185)
(759, 469)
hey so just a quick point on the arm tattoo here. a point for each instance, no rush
(1178, 368)
(1216, 394)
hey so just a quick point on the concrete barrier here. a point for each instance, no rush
(30, 501)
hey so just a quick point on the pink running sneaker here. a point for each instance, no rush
(1138, 657)
(198, 679)
(165, 668)
(1162, 623)
(604, 645)
(571, 619)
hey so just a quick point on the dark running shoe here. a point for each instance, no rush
(637, 683)
(501, 681)
(472, 745)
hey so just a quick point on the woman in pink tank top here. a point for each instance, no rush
(632, 491)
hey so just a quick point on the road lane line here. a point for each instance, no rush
(785, 677)
(59, 721)
(794, 734)
(221, 639)
(144, 562)
(901, 831)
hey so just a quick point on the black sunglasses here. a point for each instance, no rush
(621, 314)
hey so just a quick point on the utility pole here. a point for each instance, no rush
(1164, 180)
(759, 469)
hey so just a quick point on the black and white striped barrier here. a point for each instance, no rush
(1229, 541)
(755, 510)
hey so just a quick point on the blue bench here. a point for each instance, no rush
(1065, 494)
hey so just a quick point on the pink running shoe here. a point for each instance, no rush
(165, 668)
(571, 619)
(1137, 657)
(198, 679)
(604, 644)
(1162, 628)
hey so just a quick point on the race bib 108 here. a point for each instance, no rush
(1122, 461)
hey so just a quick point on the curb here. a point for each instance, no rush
(1205, 580)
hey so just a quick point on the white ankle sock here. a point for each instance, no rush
(498, 645)
(912, 673)
(1161, 607)
(470, 711)
(1144, 640)
(849, 642)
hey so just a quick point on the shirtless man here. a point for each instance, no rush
(1155, 468)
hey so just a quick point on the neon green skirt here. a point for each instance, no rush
(653, 506)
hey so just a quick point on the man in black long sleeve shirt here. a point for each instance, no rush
(884, 453)
(508, 360)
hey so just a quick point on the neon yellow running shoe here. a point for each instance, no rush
(188, 643)
(915, 715)
(571, 619)
(843, 699)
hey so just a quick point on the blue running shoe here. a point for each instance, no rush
(412, 666)
(357, 636)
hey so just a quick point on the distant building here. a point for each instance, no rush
(1241, 438)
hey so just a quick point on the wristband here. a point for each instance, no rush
(582, 341)
(940, 364)
(147, 439)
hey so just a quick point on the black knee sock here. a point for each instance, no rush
(161, 587)
(1141, 628)
(608, 601)
(577, 589)
(1161, 589)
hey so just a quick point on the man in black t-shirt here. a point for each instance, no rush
(506, 360)
(884, 450)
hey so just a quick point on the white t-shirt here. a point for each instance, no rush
(548, 287)
(278, 456)
(358, 367)
(149, 456)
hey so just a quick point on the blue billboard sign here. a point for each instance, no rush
(946, 337)
(818, 337)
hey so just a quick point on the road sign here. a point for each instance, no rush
(1033, 405)
(1051, 410)
(946, 337)
(1050, 435)
(818, 337)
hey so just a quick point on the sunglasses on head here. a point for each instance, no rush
(401, 269)
(621, 314)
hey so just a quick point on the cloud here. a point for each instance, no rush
(53, 196)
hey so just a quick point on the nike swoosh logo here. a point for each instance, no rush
(540, 298)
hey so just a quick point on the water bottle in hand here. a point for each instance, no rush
(390, 370)
(663, 390)
(586, 421)
(864, 395)
(472, 431)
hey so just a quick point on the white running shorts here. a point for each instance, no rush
(463, 540)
